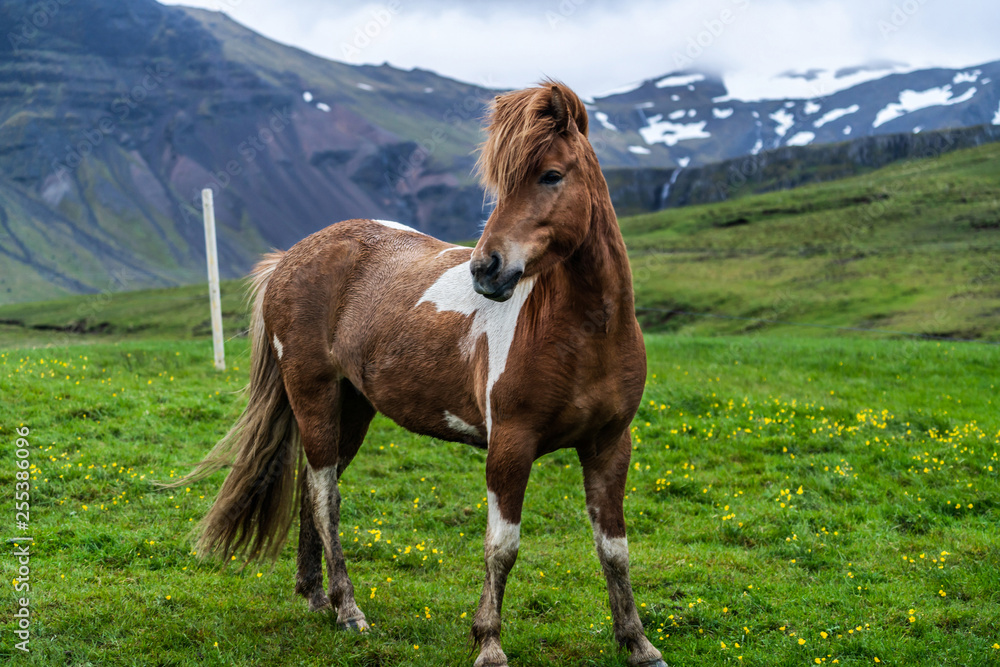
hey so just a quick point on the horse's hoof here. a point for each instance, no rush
(355, 625)
(320, 604)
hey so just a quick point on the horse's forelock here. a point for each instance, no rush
(522, 126)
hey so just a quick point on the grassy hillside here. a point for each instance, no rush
(790, 502)
(911, 247)
(169, 313)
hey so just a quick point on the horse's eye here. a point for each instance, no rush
(550, 178)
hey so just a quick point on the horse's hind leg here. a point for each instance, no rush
(356, 414)
(604, 475)
(333, 419)
(309, 575)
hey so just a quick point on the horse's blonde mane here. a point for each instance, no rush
(522, 126)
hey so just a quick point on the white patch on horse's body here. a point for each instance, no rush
(459, 425)
(323, 485)
(278, 347)
(397, 225)
(497, 319)
(458, 247)
(502, 536)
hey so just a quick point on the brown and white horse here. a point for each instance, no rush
(524, 345)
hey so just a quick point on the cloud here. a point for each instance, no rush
(596, 46)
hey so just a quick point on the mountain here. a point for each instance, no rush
(689, 118)
(114, 115)
(637, 190)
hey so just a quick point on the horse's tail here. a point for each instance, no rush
(256, 504)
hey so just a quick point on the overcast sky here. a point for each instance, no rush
(595, 45)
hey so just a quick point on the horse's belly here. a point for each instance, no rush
(438, 407)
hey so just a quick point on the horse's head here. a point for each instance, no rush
(539, 166)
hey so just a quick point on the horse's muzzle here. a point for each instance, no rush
(492, 279)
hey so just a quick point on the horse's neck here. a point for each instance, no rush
(598, 271)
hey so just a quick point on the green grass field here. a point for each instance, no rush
(799, 495)
(791, 501)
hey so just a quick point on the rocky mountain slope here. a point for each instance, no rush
(113, 117)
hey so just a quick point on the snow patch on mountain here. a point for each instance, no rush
(801, 139)
(639, 150)
(722, 113)
(621, 90)
(307, 97)
(661, 131)
(683, 162)
(680, 80)
(752, 85)
(323, 107)
(365, 86)
(677, 115)
(784, 120)
(811, 107)
(996, 118)
(831, 116)
(969, 77)
(911, 100)
(602, 118)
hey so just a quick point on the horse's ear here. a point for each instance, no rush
(568, 111)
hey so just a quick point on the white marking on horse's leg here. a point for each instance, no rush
(326, 517)
(502, 541)
(452, 291)
(613, 553)
(397, 225)
(502, 536)
(278, 347)
(459, 425)
(611, 550)
(324, 492)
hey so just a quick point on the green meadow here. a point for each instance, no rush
(790, 501)
(799, 495)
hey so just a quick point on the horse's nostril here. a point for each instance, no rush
(494, 266)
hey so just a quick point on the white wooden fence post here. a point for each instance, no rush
(212, 253)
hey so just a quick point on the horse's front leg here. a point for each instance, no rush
(604, 476)
(508, 465)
